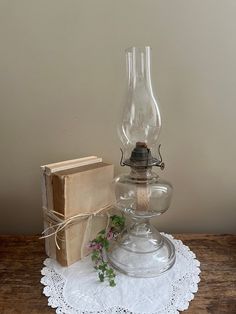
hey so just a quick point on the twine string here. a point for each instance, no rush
(60, 223)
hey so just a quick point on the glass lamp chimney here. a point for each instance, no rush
(141, 119)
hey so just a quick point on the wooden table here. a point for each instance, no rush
(21, 259)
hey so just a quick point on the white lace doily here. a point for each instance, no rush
(76, 289)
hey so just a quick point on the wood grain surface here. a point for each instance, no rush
(21, 259)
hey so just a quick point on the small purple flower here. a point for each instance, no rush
(110, 235)
(89, 245)
(97, 246)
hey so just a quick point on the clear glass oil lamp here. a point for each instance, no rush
(140, 250)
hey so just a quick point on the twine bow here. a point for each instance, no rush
(60, 224)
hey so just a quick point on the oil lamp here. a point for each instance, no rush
(140, 250)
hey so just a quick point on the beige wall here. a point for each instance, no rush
(62, 80)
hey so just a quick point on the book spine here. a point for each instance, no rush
(43, 188)
(47, 202)
(58, 190)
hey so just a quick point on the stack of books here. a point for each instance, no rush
(76, 197)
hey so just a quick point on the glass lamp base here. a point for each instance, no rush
(141, 251)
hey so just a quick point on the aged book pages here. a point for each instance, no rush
(68, 164)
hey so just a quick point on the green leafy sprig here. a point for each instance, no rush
(100, 246)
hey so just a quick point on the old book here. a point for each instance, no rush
(47, 193)
(77, 189)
